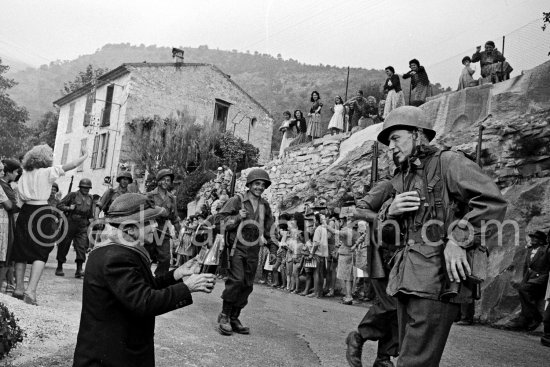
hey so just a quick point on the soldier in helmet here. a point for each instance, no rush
(124, 179)
(162, 197)
(79, 208)
(436, 216)
(247, 219)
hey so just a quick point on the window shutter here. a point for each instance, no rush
(88, 110)
(65, 153)
(104, 150)
(106, 118)
(71, 115)
(94, 152)
(83, 144)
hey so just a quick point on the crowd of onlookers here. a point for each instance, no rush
(315, 249)
(359, 111)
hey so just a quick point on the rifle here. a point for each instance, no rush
(374, 167)
(480, 140)
(71, 185)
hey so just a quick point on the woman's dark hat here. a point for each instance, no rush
(132, 208)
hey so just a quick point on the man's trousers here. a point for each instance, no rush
(424, 326)
(240, 276)
(77, 233)
(380, 322)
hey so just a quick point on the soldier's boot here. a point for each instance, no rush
(383, 361)
(224, 325)
(59, 271)
(354, 350)
(78, 273)
(236, 323)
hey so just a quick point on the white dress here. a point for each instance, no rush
(4, 227)
(287, 137)
(337, 120)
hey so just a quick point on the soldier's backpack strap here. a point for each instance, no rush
(437, 202)
(239, 229)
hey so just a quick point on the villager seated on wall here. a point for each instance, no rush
(493, 63)
(466, 80)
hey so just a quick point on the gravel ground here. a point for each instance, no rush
(52, 326)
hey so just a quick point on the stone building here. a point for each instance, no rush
(96, 116)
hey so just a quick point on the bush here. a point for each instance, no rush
(10, 333)
(190, 186)
(232, 150)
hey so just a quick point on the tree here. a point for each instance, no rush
(46, 129)
(545, 22)
(83, 78)
(12, 119)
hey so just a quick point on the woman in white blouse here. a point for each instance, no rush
(34, 231)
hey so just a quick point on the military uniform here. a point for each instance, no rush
(77, 227)
(108, 197)
(453, 191)
(243, 258)
(111, 194)
(418, 276)
(380, 321)
(160, 249)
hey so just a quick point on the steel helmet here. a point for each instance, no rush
(405, 117)
(163, 173)
(124, 174)
(258, 174)
(85, 182)
(56, 186)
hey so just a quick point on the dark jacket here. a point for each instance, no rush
(396, 84)
(467, 193)
(84, 205)
(120, 300)
(378, 256)
(420, 77)
(229, 216)
(536, 270)
(486, 58)
(169, 203)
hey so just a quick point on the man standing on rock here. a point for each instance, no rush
(441, 197)
(380, 322)
(248, 221)
(79, 208)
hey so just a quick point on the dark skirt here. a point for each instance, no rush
(34, 234)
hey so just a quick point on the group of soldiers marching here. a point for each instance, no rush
(80, 209)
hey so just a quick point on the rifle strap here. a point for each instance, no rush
(239, 229)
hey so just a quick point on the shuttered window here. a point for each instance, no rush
(88, 110)
(104, 150)
(71, 116)
(95, 151)
(106, 118)
(83, 144)
(65, 153)
(100, 151)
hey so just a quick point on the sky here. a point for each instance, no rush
(357, 33)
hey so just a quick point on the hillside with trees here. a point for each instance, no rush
(278, 84)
